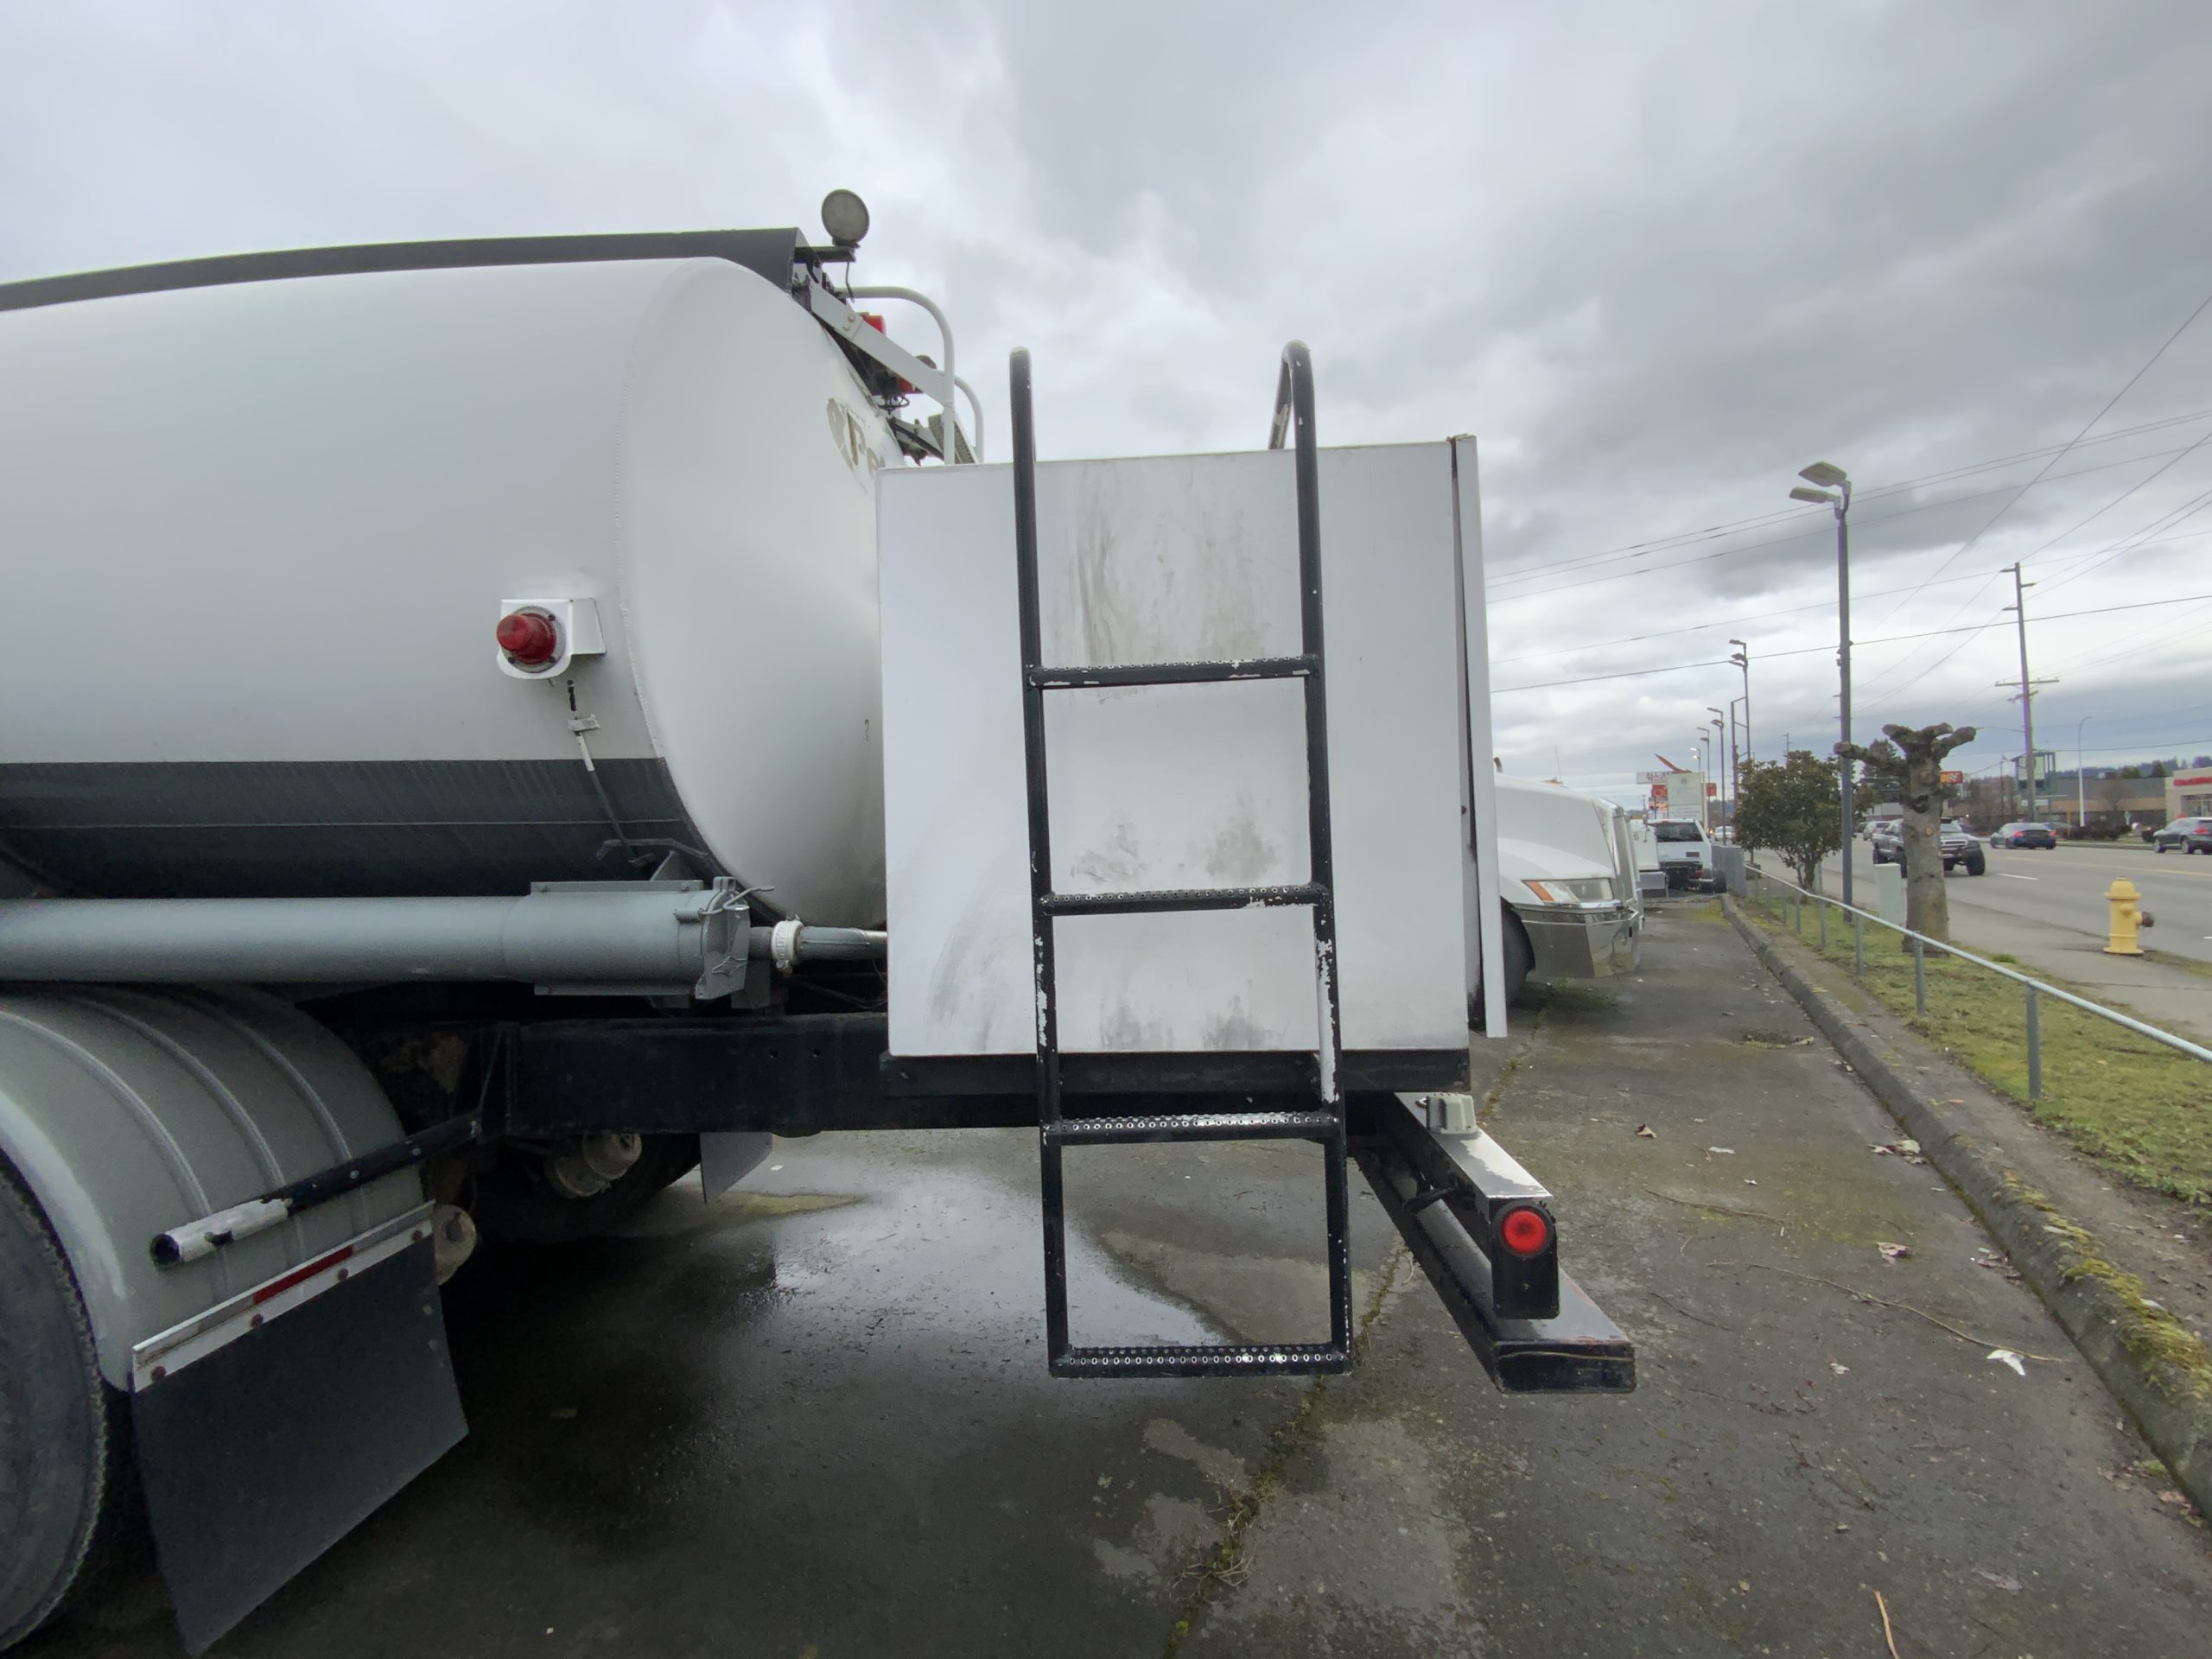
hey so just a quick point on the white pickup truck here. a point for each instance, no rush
(1567, 876)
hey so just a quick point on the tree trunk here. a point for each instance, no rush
(1911, 762)
(1927, 903)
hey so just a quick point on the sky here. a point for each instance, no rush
(1657, 258)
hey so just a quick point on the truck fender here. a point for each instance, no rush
(283, 1384)
(126, 1112)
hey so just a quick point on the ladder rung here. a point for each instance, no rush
(1194, 1126)
(1248, 668)
(1238, 1359)
(1167, 898)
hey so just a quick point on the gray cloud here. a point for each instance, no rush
(1658, 257)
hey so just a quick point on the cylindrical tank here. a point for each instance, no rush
(258, 539)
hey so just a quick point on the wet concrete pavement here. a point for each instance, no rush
(812, 1418)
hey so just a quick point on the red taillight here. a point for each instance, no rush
(875, 322)
(530, 637)
(1525, 1232)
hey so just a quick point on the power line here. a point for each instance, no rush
(2171, 460)
(1952, 557)
(2111, 549)
(1808, 651)
(1872, 493)
(1735, 621)
(2180, 515)
(1530, 574)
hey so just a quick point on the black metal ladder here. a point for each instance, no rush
(1324, 1122)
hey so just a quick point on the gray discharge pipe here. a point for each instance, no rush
(631, 937)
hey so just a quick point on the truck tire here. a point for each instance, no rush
(1976, 863)
(1520, 956)
(1520, 959)
(63, 1434)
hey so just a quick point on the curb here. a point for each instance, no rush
(2056, 1258)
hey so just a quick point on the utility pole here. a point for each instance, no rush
(2081, 781)
(2019, 609)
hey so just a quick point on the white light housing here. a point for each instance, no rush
(844, 215)
(1827, 474)
(1800, 494)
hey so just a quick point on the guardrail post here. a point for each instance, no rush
(2035, 1049)
(1919, 979)
(1824, 928)
(1858, 944)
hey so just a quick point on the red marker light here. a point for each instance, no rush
(1526, 1233)
(528, 638)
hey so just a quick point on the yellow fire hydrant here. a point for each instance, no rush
(2127, 915)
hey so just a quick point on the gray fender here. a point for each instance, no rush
(128, 1111)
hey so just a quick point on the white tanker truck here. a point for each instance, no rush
(491, 724)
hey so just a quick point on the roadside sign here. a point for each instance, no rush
(1954, 780)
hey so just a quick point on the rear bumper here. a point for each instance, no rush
(1592, 944)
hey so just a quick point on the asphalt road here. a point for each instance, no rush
(810, 1419)
(2064, 887)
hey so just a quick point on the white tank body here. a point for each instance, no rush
(257, 539)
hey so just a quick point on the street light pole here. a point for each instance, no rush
(1834, 491)
(1735, 749)
(1715, 724)
(1743, 660)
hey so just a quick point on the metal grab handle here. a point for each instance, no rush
(1293, 396)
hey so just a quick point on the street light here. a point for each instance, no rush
(1835, 492)
(2081, 783)
(1742, 658)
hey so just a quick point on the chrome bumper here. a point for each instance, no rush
(1573, 943)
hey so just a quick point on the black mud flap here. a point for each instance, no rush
(1454, 1199)
(269, 1427)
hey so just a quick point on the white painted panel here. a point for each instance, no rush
(1178, 787)
(1164, 560)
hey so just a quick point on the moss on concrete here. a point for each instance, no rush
(2171, 1354)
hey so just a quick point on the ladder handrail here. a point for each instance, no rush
(1293, 420)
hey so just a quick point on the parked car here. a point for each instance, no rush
(1685, 853)
(1884, 833)
(1960, 847)
(2023, 834)
(2190, 835)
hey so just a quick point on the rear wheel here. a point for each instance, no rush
(63, 1433)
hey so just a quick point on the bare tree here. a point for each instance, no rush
(1911, 763)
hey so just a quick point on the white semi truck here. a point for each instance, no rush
(1568, 867)
(491, 724)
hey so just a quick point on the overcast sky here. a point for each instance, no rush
(1656, 257)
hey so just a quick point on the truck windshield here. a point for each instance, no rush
(1677, 832)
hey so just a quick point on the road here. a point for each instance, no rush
(2064, 887)
(810, 1421)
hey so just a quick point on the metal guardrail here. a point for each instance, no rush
(2033, 989)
